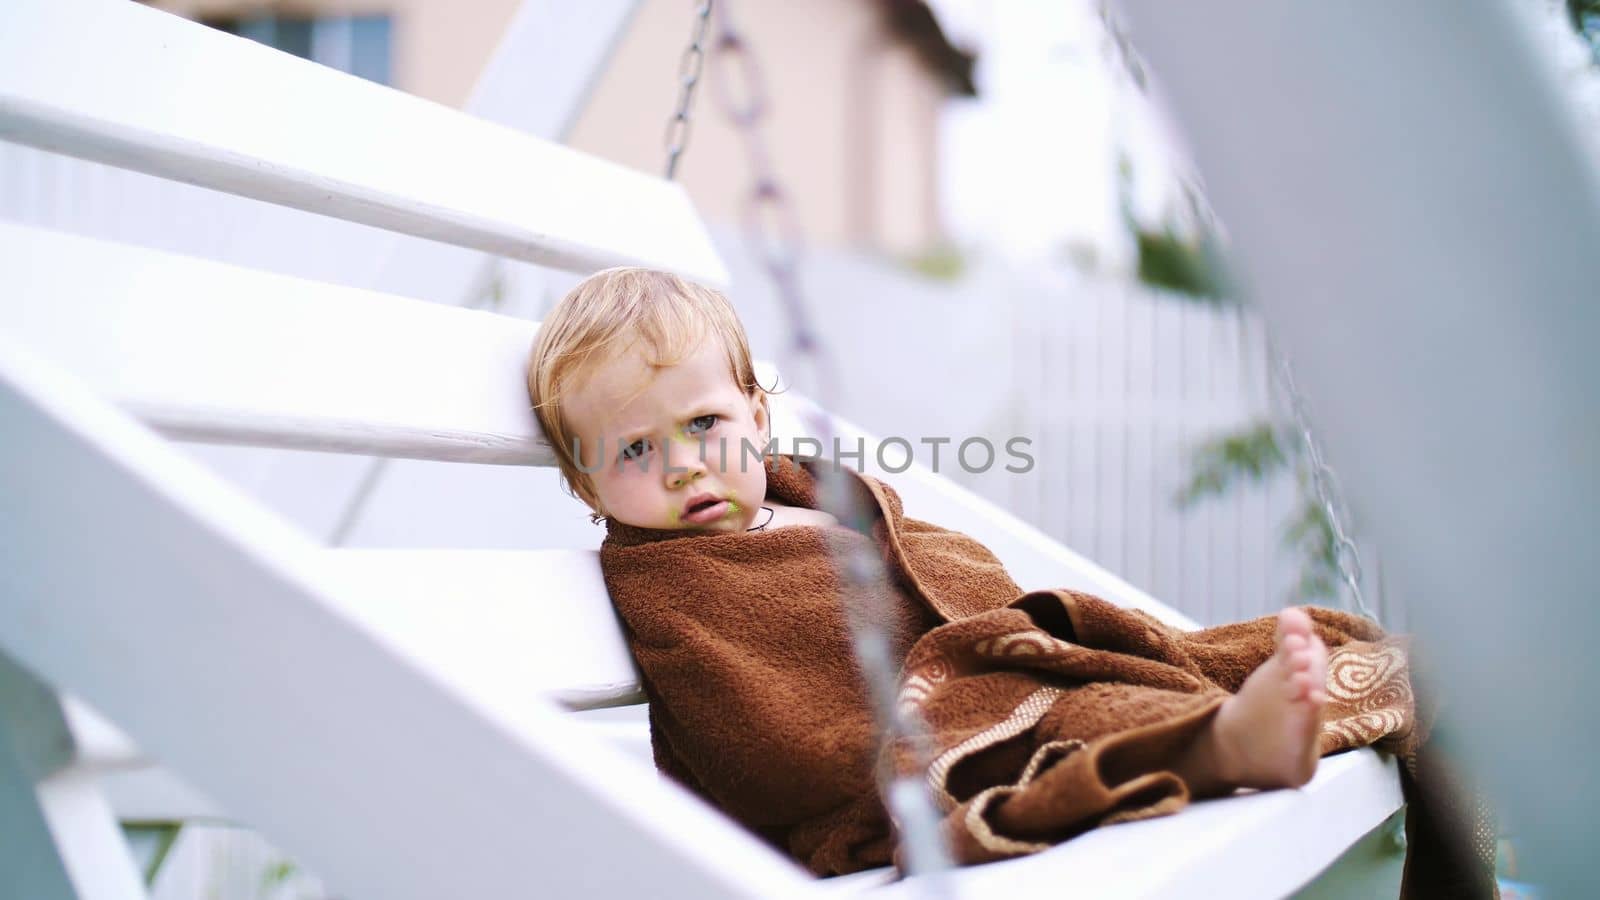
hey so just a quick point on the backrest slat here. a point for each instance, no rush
(176, 99)
(206, 351)
(537, 619)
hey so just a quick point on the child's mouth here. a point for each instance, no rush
(708, 510)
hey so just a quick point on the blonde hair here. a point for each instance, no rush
(610, 313)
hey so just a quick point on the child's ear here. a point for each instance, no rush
(761, 413)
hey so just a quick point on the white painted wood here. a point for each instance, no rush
(540, 619)
(61, 838)
(97, 745)
(88, 838)
(267, 125)
(156, 794)
(209, 352)
(1263, 845)
(148, 572)
(536, 82)
(631, 735)
(537, 79)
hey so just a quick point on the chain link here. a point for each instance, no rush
(773, 236)
(690, 66)
(1346, 556)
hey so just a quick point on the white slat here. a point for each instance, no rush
(98, 745)
(210, 352)
(1255, 846)
(537, 81)
(176, 99)
(539, 619)
(131, 573)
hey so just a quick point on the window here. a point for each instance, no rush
(355, 44)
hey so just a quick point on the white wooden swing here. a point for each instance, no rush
(407, 734)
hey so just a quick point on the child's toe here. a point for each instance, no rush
(1300, 659)
(1301, 685)
(1291, 646)
(1294, 621)
(1318, 654)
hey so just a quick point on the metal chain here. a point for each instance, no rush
(690, 65)
(1329, 497)
(772, 233)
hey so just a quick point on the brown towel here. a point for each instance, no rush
(1050, 712)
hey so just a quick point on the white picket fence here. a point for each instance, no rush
(1122, 384)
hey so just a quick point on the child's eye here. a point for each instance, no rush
(635, 450)
(701, 423)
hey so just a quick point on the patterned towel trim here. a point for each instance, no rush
(1024, 716)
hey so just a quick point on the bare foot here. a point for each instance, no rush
(1265, 736)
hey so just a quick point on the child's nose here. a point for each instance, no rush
(683, 463)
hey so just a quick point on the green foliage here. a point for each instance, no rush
(278, 873)
(1187, 266)
(1218, 464)
(1252, 455)
(943, 263)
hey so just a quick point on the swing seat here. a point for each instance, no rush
(405, 723)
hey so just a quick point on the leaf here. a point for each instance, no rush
(1252, 454)
(277, 873)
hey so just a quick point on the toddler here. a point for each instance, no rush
(1050, 712)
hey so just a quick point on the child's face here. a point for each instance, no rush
(654, 473)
